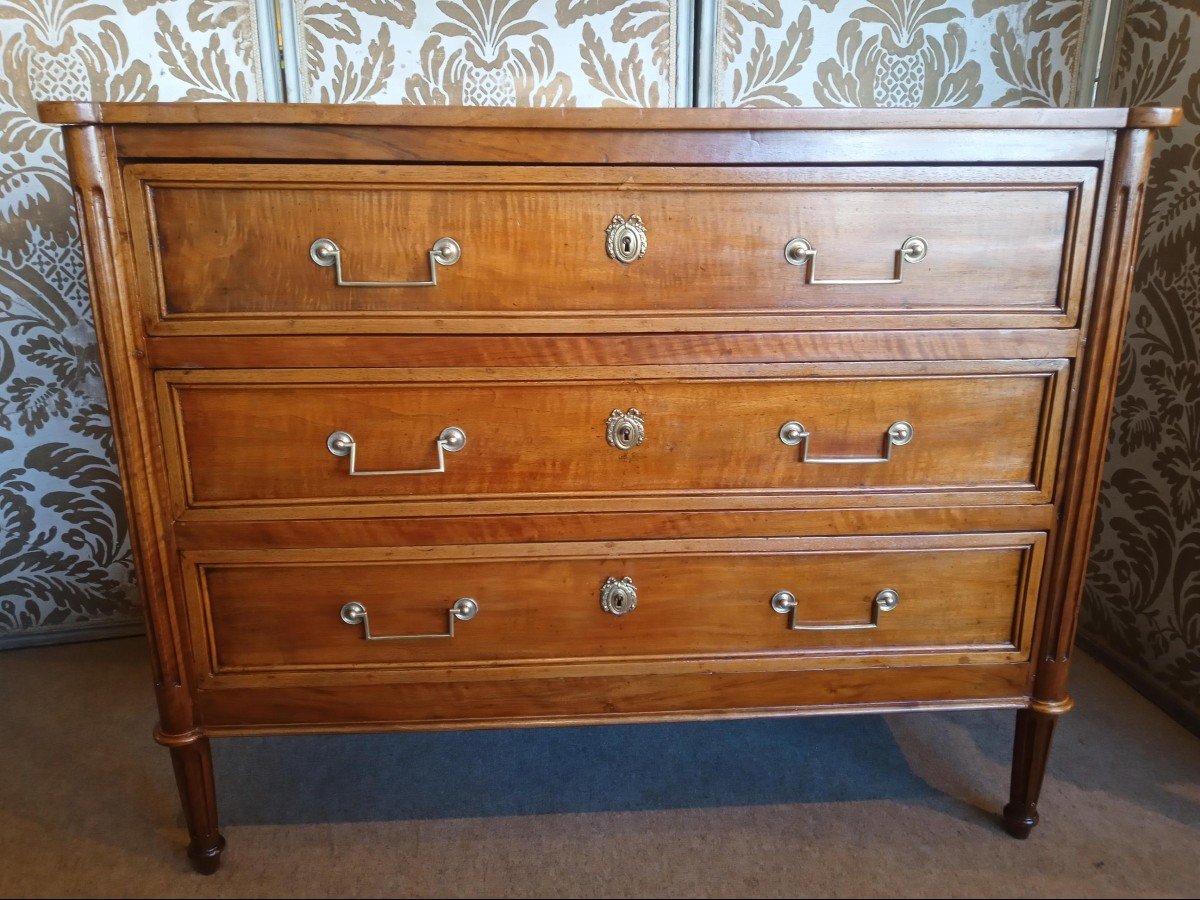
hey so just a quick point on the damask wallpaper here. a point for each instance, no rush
(489, 52)
(897, 52)
(1143, 598)
(64, 549)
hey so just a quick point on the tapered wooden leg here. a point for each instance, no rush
(192, 758)
(1031, 749)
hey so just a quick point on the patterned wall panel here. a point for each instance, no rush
(1143, 601)
(896, 53)
(490, 52)
(64, 550)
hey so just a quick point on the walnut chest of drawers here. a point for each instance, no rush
(435, 418)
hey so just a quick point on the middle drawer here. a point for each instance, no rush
(980, 431)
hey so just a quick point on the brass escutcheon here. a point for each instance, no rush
(625, 430)
(626, 239)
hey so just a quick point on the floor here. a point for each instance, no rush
(868, 806)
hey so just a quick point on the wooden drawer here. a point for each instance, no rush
(982, 432)
(971, 595)
(226, 248)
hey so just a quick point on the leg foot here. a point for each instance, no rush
(1019, 821)
(206, 859)
(1031, 749)
(192, 760)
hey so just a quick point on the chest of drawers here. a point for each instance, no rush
(435, 418)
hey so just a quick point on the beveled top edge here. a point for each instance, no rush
(82, 113)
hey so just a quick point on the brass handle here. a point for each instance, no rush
(463, 610)
(326, 253)
(897, 435)
(784, 603)
(451, 440)
(800, 252)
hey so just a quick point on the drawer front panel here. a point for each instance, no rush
(230, 247)
(971, 594)
(977, 428)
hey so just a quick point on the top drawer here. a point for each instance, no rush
(238, 248)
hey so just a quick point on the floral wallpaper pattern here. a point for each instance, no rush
(897, 53)
(488, 52)
(64, 547)
(1143, 594)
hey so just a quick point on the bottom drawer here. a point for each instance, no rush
(849, 598)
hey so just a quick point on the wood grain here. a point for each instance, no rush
(747, 146)
(104, 230)
(229, 245)
(697, 599)
(254, 438)
(498, 702)
(477, 527)
(502, 352)
(375, 115)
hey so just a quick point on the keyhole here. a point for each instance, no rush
(626, 433)
(627, 245)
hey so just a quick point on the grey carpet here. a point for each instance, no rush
(853, 807)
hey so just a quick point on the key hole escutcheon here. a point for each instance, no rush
(625, 429)
(625, 239)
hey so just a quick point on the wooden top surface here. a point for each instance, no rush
(76, 113)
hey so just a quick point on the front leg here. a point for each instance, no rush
(191, 757)
(1031, 750)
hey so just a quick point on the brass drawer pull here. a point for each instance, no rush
(784, 603)
(800, 252)
(463, 610)
(326, 253)
(897, 435)
(451, 440)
